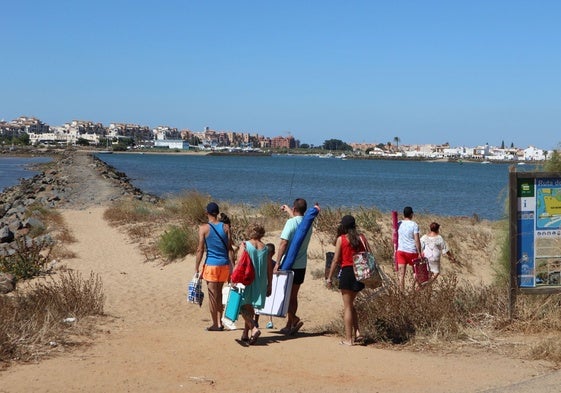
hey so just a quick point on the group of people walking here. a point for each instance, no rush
(215, 239)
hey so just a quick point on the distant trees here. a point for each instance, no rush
(194, 140)
(336, 144)
(396, 140)
(82, 142)
(20, 139)
(553, 163)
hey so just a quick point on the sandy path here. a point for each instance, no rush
(156, 342)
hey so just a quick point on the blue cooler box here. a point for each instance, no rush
(233, 304)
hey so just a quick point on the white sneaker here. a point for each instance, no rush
(228, 324)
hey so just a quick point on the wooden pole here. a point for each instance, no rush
(513, 237)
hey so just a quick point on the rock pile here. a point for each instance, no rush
(69, 181)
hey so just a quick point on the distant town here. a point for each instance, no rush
(124, 136)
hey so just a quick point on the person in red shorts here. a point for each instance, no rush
(408, 245)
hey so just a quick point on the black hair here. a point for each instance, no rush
(352, 235)
(300, 205)
(224, 218)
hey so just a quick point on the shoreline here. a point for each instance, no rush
(111, 172)
(33, 151)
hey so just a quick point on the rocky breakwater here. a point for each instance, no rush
(74, 180)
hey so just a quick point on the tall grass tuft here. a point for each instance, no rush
(189, 207)
(272, 215)
(397, 316)
(369, 219)
(31, 319)
(131, 211)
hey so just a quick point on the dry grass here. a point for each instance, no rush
(453, 311)
(133, 211)
(189, 208)
(34, 320)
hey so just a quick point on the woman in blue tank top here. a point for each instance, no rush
(214, 237)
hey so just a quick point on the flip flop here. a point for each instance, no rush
(285, 330)
(344, 343)
(254, 338)
(215, 329)
(359, 339)
(295, 328)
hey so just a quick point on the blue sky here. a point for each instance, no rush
(463, 72)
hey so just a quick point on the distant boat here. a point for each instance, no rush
(105, 152)
(485, 162)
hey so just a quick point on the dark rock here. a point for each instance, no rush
(6, 235)
(33, 222)
(7, 282)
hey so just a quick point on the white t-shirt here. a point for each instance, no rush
(406, 232)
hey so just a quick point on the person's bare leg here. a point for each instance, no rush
(292, 319)
(215, 288)
(401, 276)
(348, 299)
(249, 324)
(220, 306)
(355, 319)
(248, 313)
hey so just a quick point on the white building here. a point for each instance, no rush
(534, 154)
(172, 144)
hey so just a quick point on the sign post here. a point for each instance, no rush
(535, 234)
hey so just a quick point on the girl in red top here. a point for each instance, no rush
(349, 242)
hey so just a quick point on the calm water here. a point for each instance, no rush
(438, 188)
(14, 168)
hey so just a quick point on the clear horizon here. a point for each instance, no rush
(467, 73)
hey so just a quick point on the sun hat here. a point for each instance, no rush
(212, 208)
(407, 211)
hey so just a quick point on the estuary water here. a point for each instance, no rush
(14, 168)
(442, 188)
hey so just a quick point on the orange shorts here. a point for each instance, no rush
(216, 273)
(405, 258)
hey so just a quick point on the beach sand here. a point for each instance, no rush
(154, 341)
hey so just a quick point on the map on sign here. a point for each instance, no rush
(548, 204)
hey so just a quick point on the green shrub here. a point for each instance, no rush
(30, 258)
(177, 242)
(553, 163)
